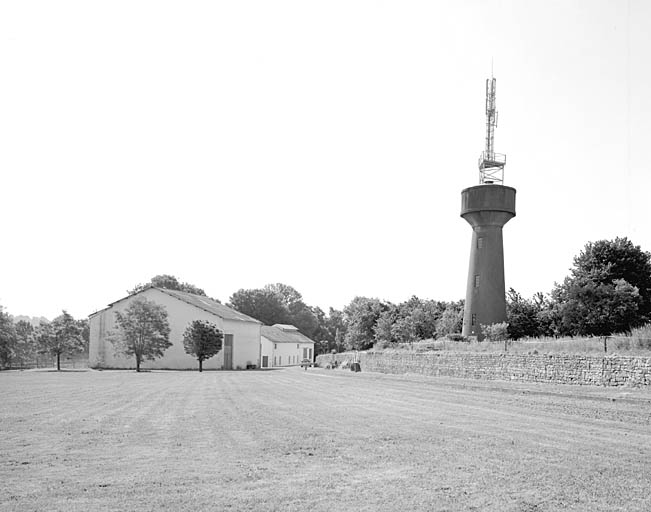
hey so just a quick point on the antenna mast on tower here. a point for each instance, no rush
(491, 164)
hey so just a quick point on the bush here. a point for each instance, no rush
(456, 337)
(496, 332)
(641, 337)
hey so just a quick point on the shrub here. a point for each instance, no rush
(496, 332)
(456, 337)
(641, 336)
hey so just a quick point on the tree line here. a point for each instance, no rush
(607, 291)
(21, 342)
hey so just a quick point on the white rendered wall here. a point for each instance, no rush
(246, 337)
(285, 354)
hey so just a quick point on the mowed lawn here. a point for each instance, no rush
(317, 440)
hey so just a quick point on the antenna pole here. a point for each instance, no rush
(491, 164)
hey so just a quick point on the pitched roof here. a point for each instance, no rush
(198, 301)
(286, 327)
(278, 335)
(209, 305)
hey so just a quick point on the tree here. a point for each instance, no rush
(169, 282)
(495, 332)
(143, 331)
(203, 340)
(62, 335)
(383, 331)
(261, 304)
(361, 316)
(336, 327)
(7, 339)
(607, 260)
(451, 320)
(84, 328)
(280, 304)
(588, 307)
(608, 290)
(24, 349)
(523, 316)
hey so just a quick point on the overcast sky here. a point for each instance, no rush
(323, 145)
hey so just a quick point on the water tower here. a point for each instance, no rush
(487, 207)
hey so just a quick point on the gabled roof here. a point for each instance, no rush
(209, 305)
(277, 335)
(198, 301)
(286, 327)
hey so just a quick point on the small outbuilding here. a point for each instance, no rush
(241, 344)
(284, 345)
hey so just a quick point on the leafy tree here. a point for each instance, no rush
(321, 332)
(280, 304)
(523, 316)
(288, 296)
(425, 315)
(384, 333)
(62, 335)
(143, 331)
(409, 321)
(451, 320)
(84, 328)
(608, 290)
(495, 332)
(25, 342)
(588, 307)
(261, 304)
(607, 260)
(7, 338)
(404, 330)
(169, 282)
(299, 314)
(361, 316)
(203, 340)
(336, 327)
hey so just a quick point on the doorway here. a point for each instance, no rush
(228, 352)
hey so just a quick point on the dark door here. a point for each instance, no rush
(228, 352)
(265, 361)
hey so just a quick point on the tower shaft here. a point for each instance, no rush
(486, 208)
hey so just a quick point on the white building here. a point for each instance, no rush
(284, 345)
(241, 345)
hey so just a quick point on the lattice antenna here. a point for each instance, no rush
(491, 164)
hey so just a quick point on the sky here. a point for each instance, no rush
(323, 145)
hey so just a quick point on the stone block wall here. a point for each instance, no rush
(554, 368)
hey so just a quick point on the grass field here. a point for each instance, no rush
(290, 440)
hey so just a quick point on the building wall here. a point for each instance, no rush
(554, 368)
(246, 337)
(283, 354)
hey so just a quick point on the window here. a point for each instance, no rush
(280, 360)
(480, 243)
(474, 318)
(275, 346)
(297, 345)
(477, 281)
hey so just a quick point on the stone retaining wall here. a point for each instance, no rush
(561, 369)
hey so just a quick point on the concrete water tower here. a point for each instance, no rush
(487, 207)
